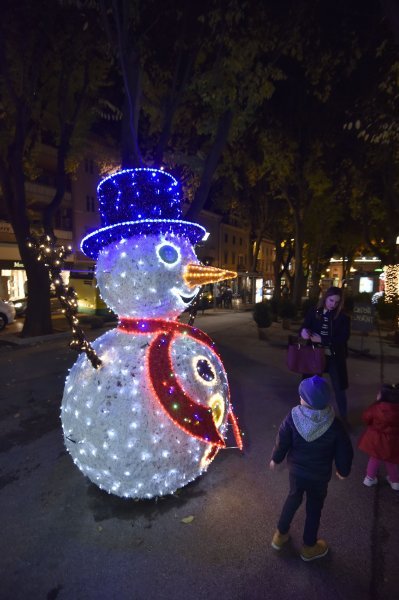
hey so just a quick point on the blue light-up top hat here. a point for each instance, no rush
(139, 202)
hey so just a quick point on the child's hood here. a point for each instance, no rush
(311, 423)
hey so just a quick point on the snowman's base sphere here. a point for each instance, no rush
(118, 434)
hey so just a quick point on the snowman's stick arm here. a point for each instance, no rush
(53, 258)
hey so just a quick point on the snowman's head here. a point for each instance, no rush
(145, 276)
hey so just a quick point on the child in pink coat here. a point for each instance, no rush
(380, 440)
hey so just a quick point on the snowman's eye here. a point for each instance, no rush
(168, 254)
(204, 371)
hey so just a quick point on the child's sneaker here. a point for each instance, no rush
(370, 481)
(319, 550)
(394, 486)
(279, 539)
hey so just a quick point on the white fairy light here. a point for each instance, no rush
(114, 408)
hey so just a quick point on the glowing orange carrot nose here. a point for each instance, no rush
(195, 275)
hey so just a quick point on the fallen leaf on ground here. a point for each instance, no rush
(188, 519)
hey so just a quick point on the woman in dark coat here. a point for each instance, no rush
(328, 325)
(380, 440)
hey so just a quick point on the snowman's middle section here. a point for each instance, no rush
(119, 433)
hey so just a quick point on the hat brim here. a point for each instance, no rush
(92, 244)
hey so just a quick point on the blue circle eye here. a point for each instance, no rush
(168, 254)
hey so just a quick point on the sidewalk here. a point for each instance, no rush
(11, 335)
(372, 345)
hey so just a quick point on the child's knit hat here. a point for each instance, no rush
(315, 391)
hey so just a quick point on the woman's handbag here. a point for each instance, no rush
(305, 358)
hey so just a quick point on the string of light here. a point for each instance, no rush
(158, 411)
(53, 257)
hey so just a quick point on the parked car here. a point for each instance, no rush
(7, 313)
(206, 298)
(20, 306)
(203, 301)
(22, 303)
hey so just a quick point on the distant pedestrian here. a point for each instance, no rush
(311, 438)
(218, 297)
(228, 298)
(223, 296)
(328, 325)
(380, 440)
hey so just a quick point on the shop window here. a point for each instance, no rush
(63, 219)
(90, 204)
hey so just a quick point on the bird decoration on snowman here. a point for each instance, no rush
(156, 412)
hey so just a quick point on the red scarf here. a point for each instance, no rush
(194, 418)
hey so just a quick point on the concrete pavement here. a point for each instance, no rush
(64, 539)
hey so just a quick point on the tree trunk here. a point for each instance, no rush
(131, 156)
(50, 209)
(210, 165)
(255, 252)
(391, 282)
(38, 317)
(390, 8)
(183, 69)
(315, 289)
(299, 275)
(38, 314)
(278, 273)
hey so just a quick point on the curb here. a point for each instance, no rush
(14, 340)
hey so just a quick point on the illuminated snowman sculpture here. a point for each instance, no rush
(152, 417)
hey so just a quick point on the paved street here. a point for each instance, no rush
(62, 538)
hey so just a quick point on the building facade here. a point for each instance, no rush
(228, 245)
(39, 193)
(365, 275)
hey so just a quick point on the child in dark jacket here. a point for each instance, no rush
(311, 438)
(380, 440)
